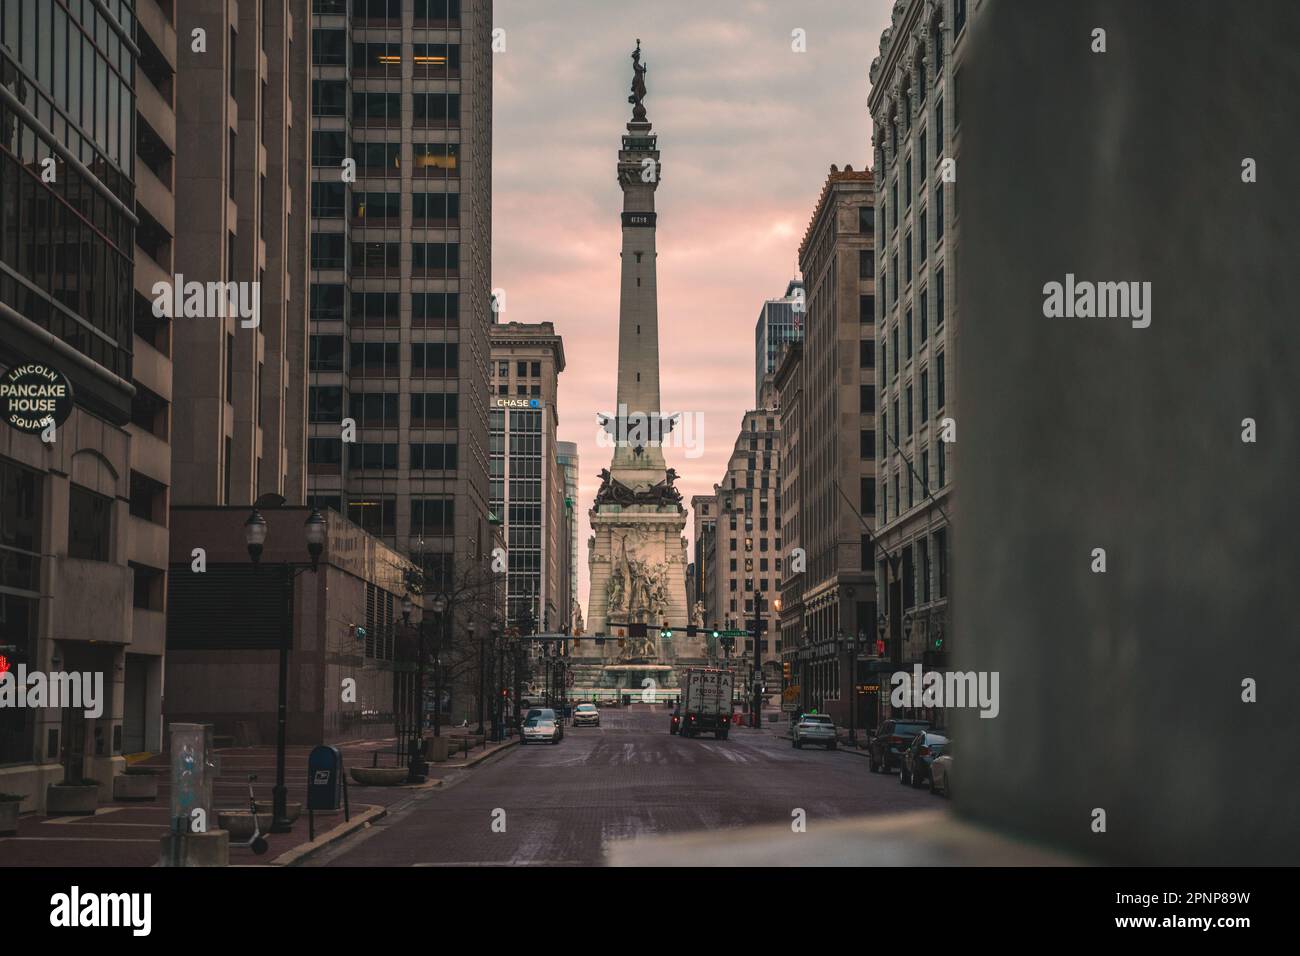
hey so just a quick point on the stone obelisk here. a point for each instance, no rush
(637, 554)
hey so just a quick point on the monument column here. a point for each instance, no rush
(637, 553)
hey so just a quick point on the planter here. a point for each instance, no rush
(436, 749)
(68, 799)
(378, 776)
(9, 816)
(135, 786)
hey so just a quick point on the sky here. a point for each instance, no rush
(748, 129)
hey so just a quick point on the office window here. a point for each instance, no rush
(434, 410)
(433, 516)
(866, 220)
(329, 47)
(893, 279)
(867, 444)
(90, 523)
(866, 263)
(328, 147)
(372, 456)
(925, 396)
(893, 341)
(866, 399)
(435, 309)
(434, 359)
(230, 369)
(379, 159)
(939, 381)
(374, 409)
(441, 208)
(329, 97)
(938, 211)
(907, 248)
(436, 258)
(328, 199)
(907, 185)
(325, 404)
(925, 471)
(908, 403)
(938, 299)
(326, 353)
(436, 110)
(377, 109)
(866, 309)
(374, 359)
(943, 463)
(328, 250)
(432, 456)
(907, 332)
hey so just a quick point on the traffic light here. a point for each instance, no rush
(667, 630)
(785, 669)
(716, 634)
(938, 642)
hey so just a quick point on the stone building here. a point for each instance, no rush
(827, 391)
(747, 564)
(83, 515)
(527, 488)
(915, 108)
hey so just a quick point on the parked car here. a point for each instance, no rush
(813, 729)
(540, 730)
(585, 715)
(545, 713)
(885, 748)
(676, 723)
(941, 773)
(920, 753)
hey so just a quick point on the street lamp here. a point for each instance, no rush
(255, 532)
(417, 769)
(438, 605)
(471, 628)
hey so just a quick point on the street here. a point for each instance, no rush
(564, 804)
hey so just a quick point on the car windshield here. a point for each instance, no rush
(816, 719)
(532, 722)
(909, 730)
(586, 707)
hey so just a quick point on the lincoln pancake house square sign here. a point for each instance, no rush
(34, 396)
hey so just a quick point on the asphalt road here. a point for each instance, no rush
(564, 804)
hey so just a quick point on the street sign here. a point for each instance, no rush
(791, 692)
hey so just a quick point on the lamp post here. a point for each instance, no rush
(417, 768)
(438, 605)
(497, 666)
(471, 627)
(255, 532)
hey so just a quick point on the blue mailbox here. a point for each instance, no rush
(325, 779)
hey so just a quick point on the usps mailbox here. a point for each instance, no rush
(325, 779)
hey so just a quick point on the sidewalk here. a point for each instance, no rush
(125, 833)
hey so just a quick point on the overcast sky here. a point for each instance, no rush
(747, 131)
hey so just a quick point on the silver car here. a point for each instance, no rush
(539, 730)
(813, 729)
(586, 714)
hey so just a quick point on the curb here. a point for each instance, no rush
(303, 850)
(478, 758)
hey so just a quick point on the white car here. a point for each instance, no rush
(539, 730)
(586, 715)
(813, 729)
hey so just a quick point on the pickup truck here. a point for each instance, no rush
(706, 702)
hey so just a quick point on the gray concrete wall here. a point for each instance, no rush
(1122, 690)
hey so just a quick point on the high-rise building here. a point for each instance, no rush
(779, 321)
(527, 487)
(704, 520)
(87, 218)
(241, 178)
(747, 564)
(400, 275)
(566, 454)
(916, 112)
(827, 394)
